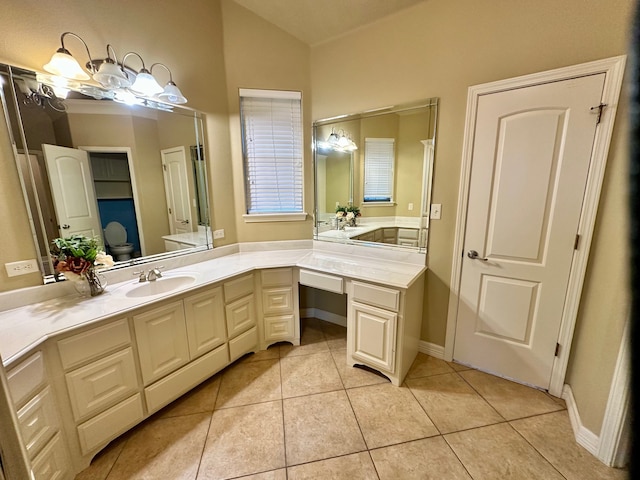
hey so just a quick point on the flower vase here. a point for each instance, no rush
(91, 283)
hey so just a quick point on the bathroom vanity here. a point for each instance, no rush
(82, 371)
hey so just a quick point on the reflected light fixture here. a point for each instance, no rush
(171, 93)
(341, 141)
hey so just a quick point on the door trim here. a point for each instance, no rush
(613, 68)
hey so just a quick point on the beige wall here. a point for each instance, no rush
(440, 48)
(188, 39)
(259, 55)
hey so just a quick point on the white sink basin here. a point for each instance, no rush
(162, 285)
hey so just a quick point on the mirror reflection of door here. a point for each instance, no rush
(73, 192)
(176, 184)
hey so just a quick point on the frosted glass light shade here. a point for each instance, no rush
(172, 94)
(64, 65)
(111, 76)
(145, 84)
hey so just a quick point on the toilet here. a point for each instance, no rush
(115, 237)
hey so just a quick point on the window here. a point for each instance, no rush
(272, 148)
(379, 154)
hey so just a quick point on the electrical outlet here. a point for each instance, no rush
(217, 234)
(436, 211)
(21, 268)
(410, 207)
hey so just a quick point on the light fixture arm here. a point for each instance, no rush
(64, 50)
(124, 59)
(115, 57)
(166, 68)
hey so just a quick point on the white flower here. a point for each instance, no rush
(103, 260)
(350, 215)
(339, 215)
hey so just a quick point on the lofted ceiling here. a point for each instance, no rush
(316, 21)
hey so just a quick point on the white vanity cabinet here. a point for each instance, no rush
(279, 305)
(38, 419)
(101, 380)
(240, 311)
(383, 326)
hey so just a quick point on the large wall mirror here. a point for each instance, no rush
(133, 176)
(373, 176)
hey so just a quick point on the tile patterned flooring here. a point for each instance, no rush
(301, 413)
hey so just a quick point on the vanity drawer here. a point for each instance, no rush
(93, 343)
(38, 422)
(279, 327)
(276, 277)
(109, 424)
(241, 315)
(52, 463)
(243, 344)
(172, 386)
(276, 301)
(237, 288)
(321, 281)
(101, 383)
(408, 233)
(376, 296)
(26, 378)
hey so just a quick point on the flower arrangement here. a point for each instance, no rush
(349, 213)
(78, 257)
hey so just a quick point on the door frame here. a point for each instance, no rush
(134, 184)
(613, 68)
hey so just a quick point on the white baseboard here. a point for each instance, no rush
(323, 315)
(431, 349)
(585, 437)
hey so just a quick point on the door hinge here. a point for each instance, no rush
(576, 241)
(557, 350)
(599, 108)
(164, 167)
(170, 212)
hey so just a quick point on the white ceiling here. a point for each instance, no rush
(315, 21)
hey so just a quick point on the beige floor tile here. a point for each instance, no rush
(319, 427)
(243, 441)
(103, 462)
(510, 399)
(269, 354)
(250, 382)
(426, 365)
(312, 340)
(332, 330)
(389, 415)
(280, 474)
(451, 403)
(355, 376)
(499, 452)
(357, 466)
(308, 374)
(551, 434)
(458, 367)
(199, 400)
(426, 459)
(163, 448)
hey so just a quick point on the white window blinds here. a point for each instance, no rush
(272, 141)
(379, 156)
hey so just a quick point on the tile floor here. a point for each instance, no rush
(301, 413)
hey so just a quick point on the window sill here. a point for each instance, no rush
(378, 204)
(274, 217)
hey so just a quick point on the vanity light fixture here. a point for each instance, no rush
(171, 93)
(116, 79)
(341, 141)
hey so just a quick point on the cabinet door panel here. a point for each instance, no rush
(240, 316)
(205, 321)
(93, 343)
(161, 335)
(279, 327)
(104, 382)
(52, 463)
(26, 378)
(38, 421)
(372, 336)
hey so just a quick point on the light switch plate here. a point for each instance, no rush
(21, 268)
(436, 211)
(217, 234)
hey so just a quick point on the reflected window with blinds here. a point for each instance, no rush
(272, 151)
(379, 159)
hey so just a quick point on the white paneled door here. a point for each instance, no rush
(531, 152)
(72, 189)
(176, 185)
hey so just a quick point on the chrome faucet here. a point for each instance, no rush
(150, 276)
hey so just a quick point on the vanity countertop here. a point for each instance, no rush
(23, 328)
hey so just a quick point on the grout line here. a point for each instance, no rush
(536, 450)
(456, 455)
(206, 437)
(115, 461)
(482, 396)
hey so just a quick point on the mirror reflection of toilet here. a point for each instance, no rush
(115, 237)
